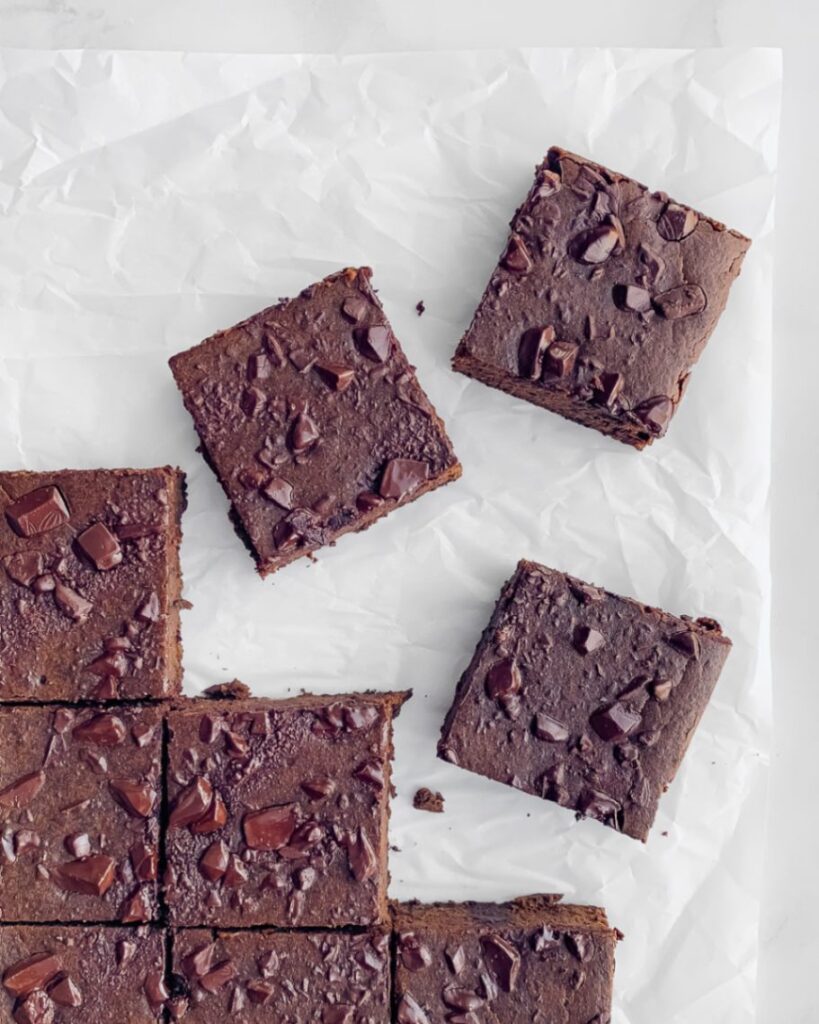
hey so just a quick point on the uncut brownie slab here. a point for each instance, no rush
(604, 298)
(313, 420)
(279, 811)
(79, 813)
(582, 697)
(533, 959)
(67, 974)
(298, 977)
(90, 584)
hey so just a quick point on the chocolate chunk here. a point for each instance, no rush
(415, 956)
(155, 989)
(409, 1012)
(259, 366)
(103, 730)
(318, 787)
(260, 992)
(532, 349)
(26, 976)
(22, 791)
(632, 298)
(687, 642)
(676, 222)
(655, 413)
(144, 861)
(502, 679)
(372, 773)
(685, 300)
(252, 402)
(597, 244)
(615, 722)
(461, 999)
(560, 358)
(401, 477)
(361, 856)
(607, 389)
(354, 309)
(138, 798)
(150, 610)
(271, 828)
(375, 342)
(661, 689)
(214, 861)
(78, 844)
(547, 728)
(599, 805)
(24, 567)
(135, 909)
(502, 959)
(200, 962)
(100, 546)
(516, 256)
(587, 640)
(64, 992)
(35, 1009)
(92, 876)
(214, 818)
(335, 375)
(113, 664)
(303, 434)
(37, 512)
(279, 490)
(338, 1015)
(220, 976)
(191, 804)
(71, 603)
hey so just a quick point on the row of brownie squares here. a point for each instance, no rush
(454, 963)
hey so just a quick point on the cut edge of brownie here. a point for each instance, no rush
(553, 398)
(266, 567)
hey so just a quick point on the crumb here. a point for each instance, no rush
(426, 800)
(420, 307)
(395, 849)
(230, 691)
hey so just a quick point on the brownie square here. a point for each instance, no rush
(67, 974)
(313, 420)
(90, 584)
(533, 959)
(602, 301)
(279, 811)
(79, 813)
(297, 977)
(582, 697)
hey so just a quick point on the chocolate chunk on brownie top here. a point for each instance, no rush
(90, 584)
(67, 974)
(297, 977)
(278, 811)
(79, 813)
(533, 959)
(583, 697)
(602, 301)
(313, 419)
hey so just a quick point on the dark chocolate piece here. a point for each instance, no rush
(278, 811)
(336, 419)
(90, 584)
(468, 962)
(603, 300)
(606, 695)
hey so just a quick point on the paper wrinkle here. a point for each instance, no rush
(151, 199)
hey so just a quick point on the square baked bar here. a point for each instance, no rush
(582, 697)
(313, 420)
(90, 584)
(533, 959)
(80, 795)
(278, 811)
(602, 301)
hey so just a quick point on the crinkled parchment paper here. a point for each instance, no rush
(149, 199)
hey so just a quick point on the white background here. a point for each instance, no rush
(791, 951)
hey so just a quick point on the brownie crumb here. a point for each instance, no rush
(420, 308)
(234, 690)
(426, 800)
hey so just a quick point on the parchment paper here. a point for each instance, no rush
(151, 198)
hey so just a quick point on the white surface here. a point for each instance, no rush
(792, 882)
(151, 198)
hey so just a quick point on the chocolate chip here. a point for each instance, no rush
(279, 490)
(354, 309)
(38, 512)
(516, 256)
(22, 791)
(686, 642)
(531, 350)
(100, 546)
(335, 375)
(103, 730)
(270, 828)
(401, 477)
(587, 640)
(24, 567)
(596, 245)
(214, 861)
(547, 728)
(686, 300)
(631, 298)
(214, 818)
(415, 956)
(191, 804)
(615, 722)
(409, 1012)
(676, 222)
(560, 358)
(607, 388)
(303, 434)
(502, 959)
(64, 992)
(138, 798)
(91, 876)
(655, 413)
(375, 342)
(319, 787)
(71, 603)
(259, 367)
(216, 979)
(26, 976)
(144, 861)
(502, 679)
(360, 856)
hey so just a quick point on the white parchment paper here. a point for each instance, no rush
(149, 199)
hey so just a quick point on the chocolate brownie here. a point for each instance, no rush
(278, 811)
(602, 301)
(297, 977)
(90, 584)
(67, 974)
(534, 959)
(582, 697)
(313, 419)
(79, 813)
